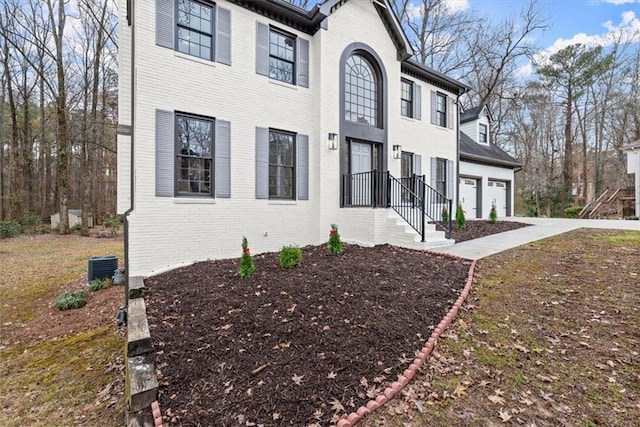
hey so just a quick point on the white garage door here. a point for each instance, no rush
(497, 194)
(468, 196)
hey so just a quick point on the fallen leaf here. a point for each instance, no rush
(331, 375)
(336, 405)
(496, 399)
(460, 390)
(276, 416)
(504, 415)
(297, 379)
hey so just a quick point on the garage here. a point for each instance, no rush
(469, 196)
(497, 194)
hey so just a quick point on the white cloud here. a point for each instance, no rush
(627, 30)
(454, 6)
(449, 7)
(619, 2)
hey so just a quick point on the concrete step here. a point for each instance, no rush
(136, 287)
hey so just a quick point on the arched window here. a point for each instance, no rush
(360, 91)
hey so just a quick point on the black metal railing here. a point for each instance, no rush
(414, 200)
(437, 207)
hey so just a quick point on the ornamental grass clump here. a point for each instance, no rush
(246, 267)
(290, 256)
(69, 300)
(493, 214)
(461, 221)
(98, 284)
(334, 244)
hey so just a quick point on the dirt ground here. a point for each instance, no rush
(58, 368)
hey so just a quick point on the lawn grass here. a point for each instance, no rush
(58, 368)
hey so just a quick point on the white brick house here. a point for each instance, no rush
(226, 111)
(486, 171)
(633, 167)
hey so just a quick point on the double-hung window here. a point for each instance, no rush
(281, 165)
(483, 133)
(194, 153)
(441, 110)
(282, 55)
(195, 29)
(406, 98)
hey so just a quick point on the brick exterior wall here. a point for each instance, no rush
(166, 232)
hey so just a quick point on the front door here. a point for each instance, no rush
(361, 157)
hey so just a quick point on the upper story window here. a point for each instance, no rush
(441, 110)
(360, 91)
(281, 56)
(406, 98)
(194, 155)
(195, 29)
(483, 133)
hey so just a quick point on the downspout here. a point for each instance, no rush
(457, 177)
(130, 22)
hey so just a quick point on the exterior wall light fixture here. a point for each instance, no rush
(397, 151)
(332, 144)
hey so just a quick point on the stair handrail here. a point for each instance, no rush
(434, 201)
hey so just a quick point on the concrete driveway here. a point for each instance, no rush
(542, 228)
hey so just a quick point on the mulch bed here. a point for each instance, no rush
(480, 228)
(295, 347)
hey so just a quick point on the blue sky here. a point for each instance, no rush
(591, 22)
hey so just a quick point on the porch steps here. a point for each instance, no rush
(400, 233)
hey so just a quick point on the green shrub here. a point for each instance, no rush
(9, 228)
(31, 223)
(572, 211)
(445, 215)
(99, 284)
(73, 299)
(246, 267)
(113, 224)
(290, 256)
(461, 221)
(334, 244)
(493, 214)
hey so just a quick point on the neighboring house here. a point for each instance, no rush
(633, 167)
(75, 219)
(260, 119)
(486, 171)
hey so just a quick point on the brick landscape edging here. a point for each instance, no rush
(409, 373)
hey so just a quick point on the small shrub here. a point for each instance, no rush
(99, 284)
(493, 214)
(113, 224)
(334, 244)
(31, 223)
(461, 221)
(445, 215)
(290, 256)
(572, 212)
(69, 300)
(9, 228)
(246, 267)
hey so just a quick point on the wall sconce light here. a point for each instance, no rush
(397, 151)
(332, 144)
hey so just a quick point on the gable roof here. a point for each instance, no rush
(487, 154)
(436, 78)
(474, 113)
